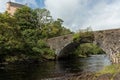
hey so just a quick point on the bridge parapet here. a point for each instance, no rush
(58, 43)
(108, 40)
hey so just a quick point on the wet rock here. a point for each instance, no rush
(85, 76)
(117, 76)
(105, 77)
(77, 76)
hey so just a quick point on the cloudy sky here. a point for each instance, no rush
(79, 14)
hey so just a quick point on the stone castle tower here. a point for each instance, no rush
(11, 7)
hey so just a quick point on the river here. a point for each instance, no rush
(38, 71)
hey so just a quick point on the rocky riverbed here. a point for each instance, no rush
(86, 76)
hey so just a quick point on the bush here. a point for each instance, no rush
(84, 36)
(87, 49)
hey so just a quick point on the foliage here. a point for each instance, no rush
(10, 36)
(43, 49)
(26, 18)
(43, 16)
(54, 29)
(84, 36)
(88, 49)
(112, 69)
(23, 35)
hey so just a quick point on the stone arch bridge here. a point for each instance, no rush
(108, 40)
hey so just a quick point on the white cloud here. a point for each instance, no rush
(3, 5)
(77, 14)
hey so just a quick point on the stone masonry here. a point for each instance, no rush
(108, 40)
(11, 7)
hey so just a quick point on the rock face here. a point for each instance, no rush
(108, 40)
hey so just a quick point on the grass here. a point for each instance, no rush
(112, 69)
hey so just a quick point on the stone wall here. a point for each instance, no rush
(108, 40)
(58, 43)
(12, 7)
(12, 10)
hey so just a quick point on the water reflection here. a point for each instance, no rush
(51, 69)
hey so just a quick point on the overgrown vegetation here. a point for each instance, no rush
(84, 36)
(86, 48)
(23, 35)
(112, 69)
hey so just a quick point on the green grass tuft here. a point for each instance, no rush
(112, 69)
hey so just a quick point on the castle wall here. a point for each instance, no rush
(12, 10)
(12, 7)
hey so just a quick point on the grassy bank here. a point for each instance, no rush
(112, 69)
(111, 72)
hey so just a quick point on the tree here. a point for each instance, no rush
(43, 16)
(10, 36)
(23, 35)
(54, 29)
(31, 30)
(26, 18)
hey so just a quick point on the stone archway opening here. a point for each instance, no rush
(75, 50)
(108, 40)
(88, 49)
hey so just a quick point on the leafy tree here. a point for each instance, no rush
(23, 35)
(26, 18)
(44, 50)
(10, 36)
(43, 16)
(31, 30)
(54, 29)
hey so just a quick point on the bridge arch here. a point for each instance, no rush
(68, 51)
(108, 40)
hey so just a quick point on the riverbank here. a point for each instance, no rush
(55, 70)
(87, 76)
(74, 76)
(111, 72)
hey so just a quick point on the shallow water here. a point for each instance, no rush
(52, 68)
